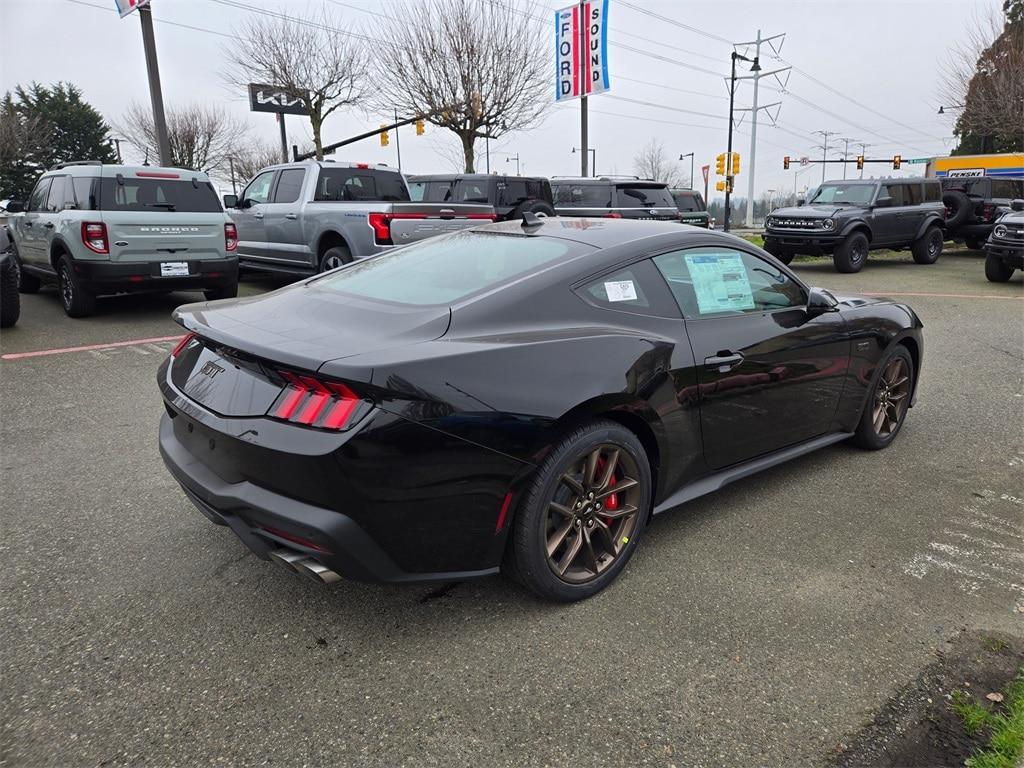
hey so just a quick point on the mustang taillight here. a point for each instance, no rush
(182, 344)
(314, 402)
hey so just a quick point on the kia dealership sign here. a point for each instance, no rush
(581, 50)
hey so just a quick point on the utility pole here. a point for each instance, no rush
(824, 151)
(756, 77)
(155, 93)
(728, 153)
(846, 152)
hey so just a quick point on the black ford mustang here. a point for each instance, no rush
(521, 396)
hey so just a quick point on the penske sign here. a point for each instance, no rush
(581, 50)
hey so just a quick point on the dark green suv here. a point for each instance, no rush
(692, 209)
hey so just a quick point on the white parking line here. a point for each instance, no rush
(88, 347)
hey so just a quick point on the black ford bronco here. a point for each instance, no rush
(849, 218)
(1004, 250)
(973, 203)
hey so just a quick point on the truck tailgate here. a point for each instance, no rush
(410, 222)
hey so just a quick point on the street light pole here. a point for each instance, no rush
(683, 157)
(155, 93)
(593, 157)
(728, 152)
(515, 157)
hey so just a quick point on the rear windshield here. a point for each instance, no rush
(583, 195)
(360, 184)
(129, 193)
(449, 191)
(644, 197)
(852, 194)
(444, 270)
(688, 202)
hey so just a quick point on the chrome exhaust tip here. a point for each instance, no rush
(317, 571)
(304, 565)
(289, 558)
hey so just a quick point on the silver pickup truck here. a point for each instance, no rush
(312, 216)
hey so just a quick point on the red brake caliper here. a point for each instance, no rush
(612, 502)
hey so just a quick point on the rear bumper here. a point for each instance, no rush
(130, 276)
(390, 500)
(979, 231)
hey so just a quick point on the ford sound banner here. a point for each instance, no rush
(581, 50)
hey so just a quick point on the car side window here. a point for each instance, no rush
(1008, 189)
(85, 192)
(911, 194)
(715, 281)
(932, 192)
(637, 289)
(894, 192)
(289, 185)
(514, 192)
(37, 200)
(258, 190)
(56, 200)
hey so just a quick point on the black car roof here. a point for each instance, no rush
(604, 180)
(470, 176)
(597, 232)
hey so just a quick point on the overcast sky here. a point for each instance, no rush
(868, 70)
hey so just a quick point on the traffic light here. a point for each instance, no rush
(419, 127)
(785, 163)
(720, 186)
(735, 163)
(720, 165)
(384, 138)
(896, 160)
(860, 162)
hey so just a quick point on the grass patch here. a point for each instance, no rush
(993, 644)
(1005, 726)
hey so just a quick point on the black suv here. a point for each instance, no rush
(849, 218)
(1004, 251)
(974, 203)
(511, 196)
(614, 198)
(692, 209)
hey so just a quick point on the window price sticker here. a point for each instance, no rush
(720, 282)
(620, 290)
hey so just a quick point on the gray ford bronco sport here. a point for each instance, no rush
(100, 229)
(849, 218)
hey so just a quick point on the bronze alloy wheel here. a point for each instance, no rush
(892, 395)
(593, 514)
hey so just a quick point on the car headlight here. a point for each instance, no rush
(828, 224)
(999, 231)
(769, 222)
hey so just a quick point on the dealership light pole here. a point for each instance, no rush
(515, 157)
(683, 157)
(728, 152)
(156, 95)
(593, 164)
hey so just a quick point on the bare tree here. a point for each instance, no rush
(652, 162)
(202, 136)
(473, 67)
(251, 157)
(984, 76)
(310, 58)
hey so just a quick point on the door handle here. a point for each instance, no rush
(257, 215)
(48, 225)
(28, 223)
(723, 362)
(291, 216)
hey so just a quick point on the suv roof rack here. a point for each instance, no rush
(58, 166)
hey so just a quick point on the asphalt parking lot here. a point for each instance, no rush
(764, 624)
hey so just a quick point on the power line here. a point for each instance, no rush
(676, 23)
(106, 8)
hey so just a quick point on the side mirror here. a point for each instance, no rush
(1016, 205)
(820, 301)
(883, 202)
(800, 201)
(15, 206)
(230, 201)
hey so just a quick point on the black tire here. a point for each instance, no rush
(928, 247)
(26, 283)
(228, 291)
(531, 206)
(10, 299)
(886, 386)
(974, 243)
(335, 257)
(997, 270)
(959, 207)
(782, 254)
(77, 302)
(614, 540)
(852, 254)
